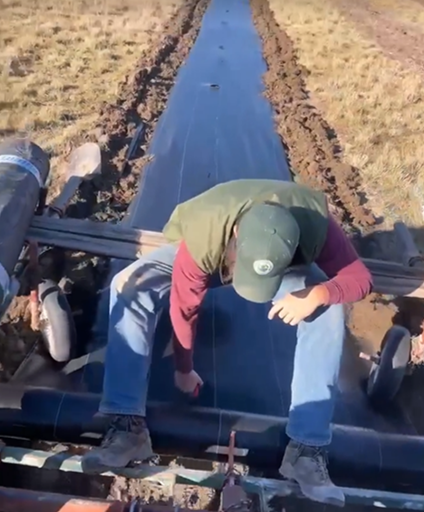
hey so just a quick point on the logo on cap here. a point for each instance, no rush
(263, 267)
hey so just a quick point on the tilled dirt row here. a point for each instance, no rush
(311, 145)
(142, 98)
(316, 159)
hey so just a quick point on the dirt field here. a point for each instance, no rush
(409, 11)
(346, 83)
(148, 61)
(139, 95)
(364, 72)
(61, 61)
(360, 153)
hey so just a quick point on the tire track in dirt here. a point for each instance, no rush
(311, 145)
(398, 40)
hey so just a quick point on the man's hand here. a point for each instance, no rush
(188, 382)
(296, 306)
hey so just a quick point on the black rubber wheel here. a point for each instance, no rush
(386, 377)
(57, 323)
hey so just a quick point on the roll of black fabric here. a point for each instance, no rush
(24, 168)
(363, 456)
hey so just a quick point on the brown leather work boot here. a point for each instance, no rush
(127, 440)
(307, 466)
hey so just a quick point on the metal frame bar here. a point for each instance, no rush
(265, 488)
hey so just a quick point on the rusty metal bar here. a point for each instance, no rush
(23, 500)
(164, 475)
(231, 451)
(139, 507)
(233, 496)
(34, 275)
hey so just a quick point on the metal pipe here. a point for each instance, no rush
(394, 460)
(54, 415)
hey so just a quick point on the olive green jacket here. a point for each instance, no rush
(206, 221)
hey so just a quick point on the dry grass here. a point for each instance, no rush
(374, 103)
(407, 10)
(59, 60)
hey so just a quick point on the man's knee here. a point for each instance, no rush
(326, 323)
(143, 284)
(141, 275)
(292, 282)
(336, 317)
(129, 286)
(121, 280)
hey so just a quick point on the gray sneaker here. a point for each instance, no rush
(127, 440)
(308, 467)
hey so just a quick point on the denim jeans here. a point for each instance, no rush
(140, 291)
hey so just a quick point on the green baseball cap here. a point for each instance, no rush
(267, 239)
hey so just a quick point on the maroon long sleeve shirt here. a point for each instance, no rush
(349, 281)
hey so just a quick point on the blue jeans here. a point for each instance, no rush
(140, 291)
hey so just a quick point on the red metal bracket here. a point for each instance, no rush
(233, 496)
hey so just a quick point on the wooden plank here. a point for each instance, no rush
(117, 241)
